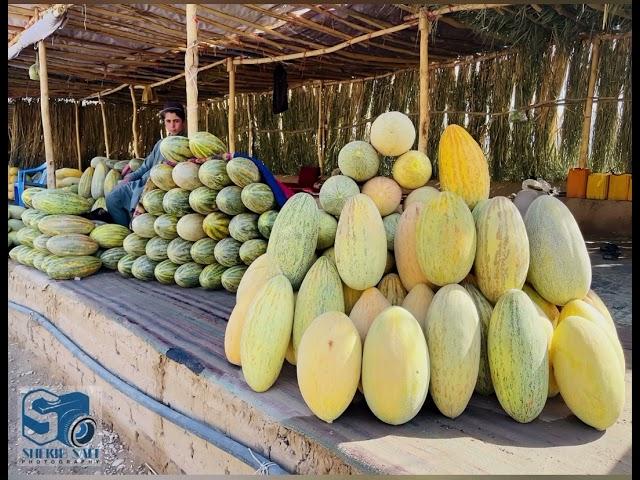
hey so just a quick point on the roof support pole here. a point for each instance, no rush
(588, 105)
(191, 68)
(320, 135)
(134, 122)
(232, 105)
(77, 113)
(423, 129)
(104, 128)
(46, 119)
(250, 147)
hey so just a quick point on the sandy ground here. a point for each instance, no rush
(23, 372)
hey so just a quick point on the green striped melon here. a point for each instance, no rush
(320, 292)
(265, 223)
(502, 249)
(252, 249)
(294, 237)
(15, 251)
(60, 224)
(205, 144)
(232, 276)
(421, 194)
(72, 244)
(135, 163)
(518, 356)
(135, 245)
(390, 223)
(53, 202)
(227, 252)
(175, 148)
(21, 252)
(242, 171)
(125, 264)
(560, 268)
(188, 275)
(110, 163)
(45, 263)
(165, 272)
(244, 227)
(119, 166)
(361, 243)
(161, 176)
(110, 181)
(216, 225)
(143, 268)
(16, 211)
(143, 225)
(179, 251)
(27, 235)
(152, 201)
(84, 186)
(165, 226)
(15, 224)
(40, 243)
(176, 202)
(358, 160)
(445, 239)
(190, 227)
(97, 181)
(211, 276)
(335, 192)
(33, 219)
(99, 203)
(202, 251)
(28, 193)
(229, 201)
(258, 197)
(65, 268)
(213, 174)
(28, 215)
(327, 226)
(111, 257)
(484, 309)
(453, 333)
(185, 175)
(109, 235)
(266, 333)
(38, 258)
(27, 257)
(156, 248)
(203, 200)
(95, 161)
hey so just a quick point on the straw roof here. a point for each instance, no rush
(105, 46)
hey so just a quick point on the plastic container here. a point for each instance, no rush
(619, 186)
(577, 182)
(598, 186)
(629, 196)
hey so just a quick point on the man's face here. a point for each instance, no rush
(173, 123)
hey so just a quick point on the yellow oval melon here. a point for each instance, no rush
(370, 304)
(392, 133)
(549, 309)
(549, 329)
(385, 193)
(412, 169)
(328, 365)
(350, 295)
(405, 248)
(395, 367)
(593, 299)
(418, 301)
(484, 385)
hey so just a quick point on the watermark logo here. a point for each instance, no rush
(58, 428)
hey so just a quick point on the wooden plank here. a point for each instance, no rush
(46, 119)
(191, 68)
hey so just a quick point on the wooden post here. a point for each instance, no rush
(78, 135)
(320, 136)
(134, 122)
(423, 127)
(46, 119)
(232, 105)
(250, 147)
(588, 105)
(191, 69)
(104, 128)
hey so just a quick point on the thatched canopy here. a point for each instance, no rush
(104, 46)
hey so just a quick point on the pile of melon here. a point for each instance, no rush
(447, 293)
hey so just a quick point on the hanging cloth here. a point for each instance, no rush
(280, 90)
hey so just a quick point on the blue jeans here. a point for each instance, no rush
(119, 204)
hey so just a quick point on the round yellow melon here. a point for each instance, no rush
(385, 193)
(412, 169)
(392, 134)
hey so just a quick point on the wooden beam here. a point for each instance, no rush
(77, 114)
(191, 68)
(46, 119)
(320, 135)
(458, 8)
(232, 105)
(134, 122)
(423, 129)
(588, 105)
(104, 128)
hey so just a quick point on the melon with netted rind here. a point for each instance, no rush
(392, 134)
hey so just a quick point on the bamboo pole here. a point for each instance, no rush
(588, 105)
(104, 128)
(320, 136)
(46, 119)
(459, 8)
(232, 105)
(250, 148)
(78, 135)
(423, 129)
(191, 68)
(134, 122)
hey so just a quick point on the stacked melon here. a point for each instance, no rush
(12, 178)
(206, 221)
(101, 177)
(453, 294)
